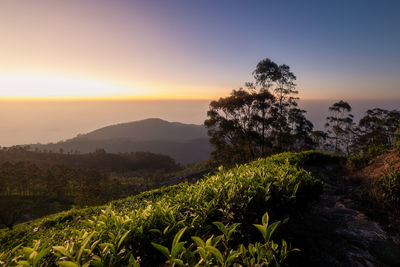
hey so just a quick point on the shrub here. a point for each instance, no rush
(361, 160)
(389, 183)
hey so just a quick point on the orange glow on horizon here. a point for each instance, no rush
(109, 98)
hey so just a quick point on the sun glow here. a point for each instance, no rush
(45, 86)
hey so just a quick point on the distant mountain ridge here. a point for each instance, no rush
(148, 130)
(186, 143)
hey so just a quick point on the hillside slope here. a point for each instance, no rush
(116, 235)
(217, 221)
(186, 143)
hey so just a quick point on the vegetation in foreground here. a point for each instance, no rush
(183, 224)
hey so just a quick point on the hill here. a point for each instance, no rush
(186, 143)
(141, 228)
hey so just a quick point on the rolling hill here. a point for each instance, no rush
(186, 143)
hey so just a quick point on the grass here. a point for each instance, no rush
(125, 231)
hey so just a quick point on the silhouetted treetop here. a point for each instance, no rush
(260, 119)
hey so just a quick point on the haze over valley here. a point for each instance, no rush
(53, 121)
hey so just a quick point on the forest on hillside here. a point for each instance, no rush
(135, 162)
(34, 184)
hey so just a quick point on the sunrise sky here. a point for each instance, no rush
(196, 49)
(69, 67)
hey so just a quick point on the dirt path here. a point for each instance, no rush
(337, 232)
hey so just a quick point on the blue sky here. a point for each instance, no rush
(329, 44)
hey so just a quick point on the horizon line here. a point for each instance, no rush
(163, 98)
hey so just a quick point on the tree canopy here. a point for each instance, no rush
(340, 126)
(260, 119)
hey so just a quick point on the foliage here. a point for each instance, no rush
(320, 140)
(134, 162)
(397, 138)
(32, 256)
(259, 120)
(215, 251)
(28, 191)
(361, 160)
(121, 234)
(376, 130)
(389, 183)
(340, 126)
(374, 134)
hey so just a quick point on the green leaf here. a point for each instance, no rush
(62, 250)
(176, 249)
(162, 249)
(96, 264)
(40, 255)
(24, 263)
(156, 231)
(221, 227)
(178, 236)
(234, 255)
(94, 245)
(271, 229)
(202, 252)
(232, 229)
(27, 251)
(296, 187)
(199, 242)
(177, 261)
(15, 249)
(262, 230)
(209, 241)
(215, 240)
(83, 246)
(122, 239)
(67, 264)
(265, 219)
(166, 230)
(216, 253)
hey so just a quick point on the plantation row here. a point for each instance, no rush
(187, 224)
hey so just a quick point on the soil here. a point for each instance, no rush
(340, 229)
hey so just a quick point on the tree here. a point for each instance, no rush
(260, 119)
(377, 128)
(233, 123)
(12, 210)
(280, 80)
(301, 130)
(319, 139)
(340, 126)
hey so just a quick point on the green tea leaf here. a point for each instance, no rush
(162, 249)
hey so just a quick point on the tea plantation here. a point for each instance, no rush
(231, 217)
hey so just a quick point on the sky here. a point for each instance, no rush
(174, 49)
(69, 67)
